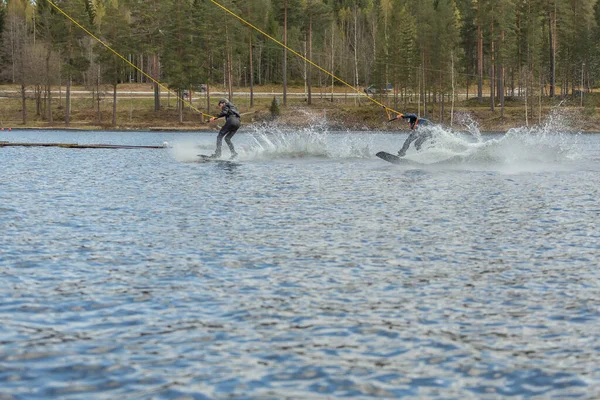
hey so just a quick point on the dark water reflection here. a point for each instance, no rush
(129, 274)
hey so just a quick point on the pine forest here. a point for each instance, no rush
(397, 50)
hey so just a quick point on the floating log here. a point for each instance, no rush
(81, 146)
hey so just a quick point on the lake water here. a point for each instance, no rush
(307, 269)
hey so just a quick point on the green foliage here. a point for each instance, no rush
(319, 13)
(295, 12)
(115, 31)
(589, 109)
(90, 9)
(275, 112)
(2, 18)
(179, 56)
(372, 41)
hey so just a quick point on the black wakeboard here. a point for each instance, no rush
(202, 158)
(391, 158)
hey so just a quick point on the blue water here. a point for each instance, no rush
(309, 268)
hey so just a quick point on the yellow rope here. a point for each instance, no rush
(387, 109)
(124, 59)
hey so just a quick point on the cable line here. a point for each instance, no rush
(387, 109)
(124, 59)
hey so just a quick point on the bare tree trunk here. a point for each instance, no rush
(68, 94)
(21, 64)
(441, 101)
(285, 10)
(492, 70)
(527, 94)
(532, 99)
(309, 72)
(43, 94)
(552, 32)
(424, 90)
(13, 47)
(355, 47)
(441, 107)
(155, 75)
(501, 79)
(259, 57)
(38, 100)
(305, 72)
(139, 73)
(228, 66)
(98, 97)
(453, 90)
(540, 100)
(180, 104)
(419, 91)
(92, 90)
(114, 111)
(68, 101)
(512, 80)
(24, 103)
(332, 60)
(251, 56)
(210, 63)
(229, 72)
(479, 56)
(59, 81)
(208, 98)
(519, 63)
(48, 112)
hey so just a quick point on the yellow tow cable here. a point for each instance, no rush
(124, 59)
(387, 109)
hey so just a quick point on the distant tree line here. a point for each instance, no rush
(407, 50)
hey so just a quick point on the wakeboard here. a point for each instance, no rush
(391, 158)
(202, 158)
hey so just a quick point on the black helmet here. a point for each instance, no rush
(223, 101)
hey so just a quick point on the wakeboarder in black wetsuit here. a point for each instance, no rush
(416, 135)
(232, 124)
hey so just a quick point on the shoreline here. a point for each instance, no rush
(330, 129)
(289, 121)
(336, 116)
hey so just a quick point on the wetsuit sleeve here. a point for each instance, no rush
(410, 117)
(224, 111)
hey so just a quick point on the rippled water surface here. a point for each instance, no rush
(309, 268)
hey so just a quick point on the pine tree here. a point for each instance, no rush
(403, 50)
(287, 14)
(468, 42)
(15, 49)
(69, 41)
(446, 29)
(116, 33)
(533, 47)
(147, 24)
(317, 16)
(506, 45)
(179, 52)
(275, 112)
(49, 26)
(2, 18)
